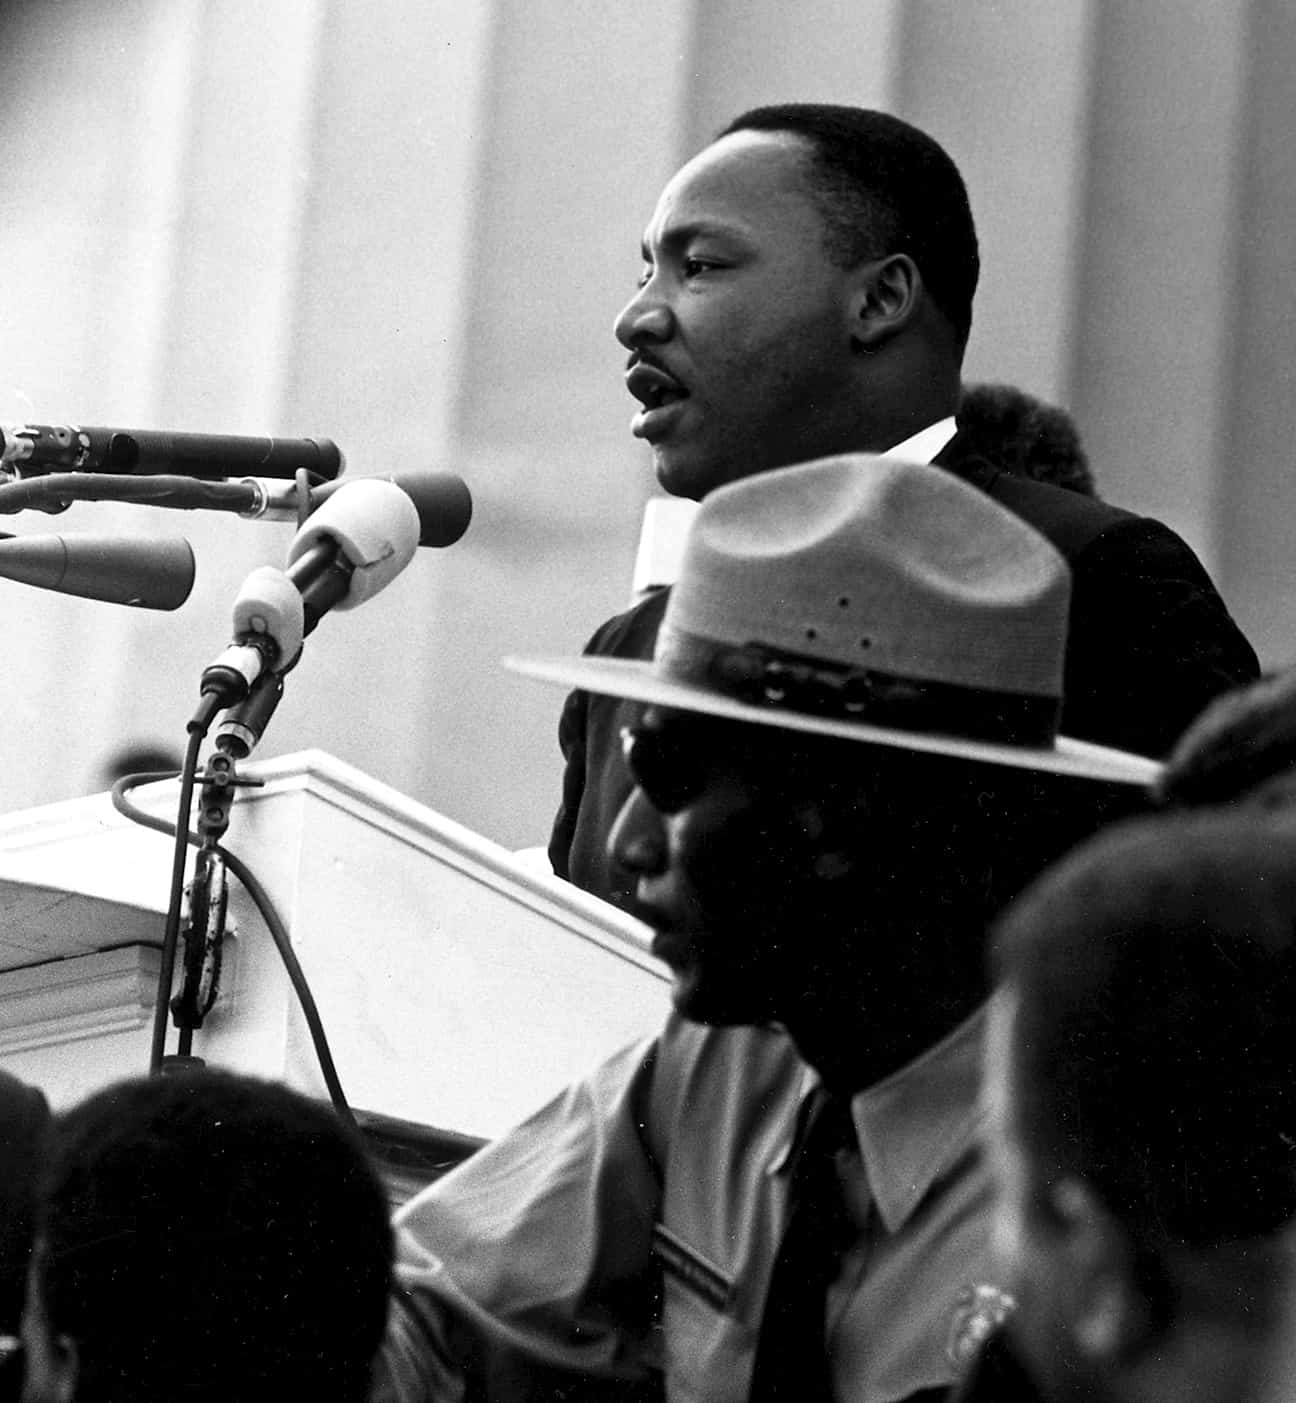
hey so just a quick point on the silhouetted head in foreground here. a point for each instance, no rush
(207, 1236)
(1142, 1085)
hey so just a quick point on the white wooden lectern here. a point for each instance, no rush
(459, 989)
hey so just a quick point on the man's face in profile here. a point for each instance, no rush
(1029, 1230)
(722, 836)
(739, 335)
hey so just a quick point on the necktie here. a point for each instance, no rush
(791, 1364)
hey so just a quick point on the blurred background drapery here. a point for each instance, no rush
(407, 226)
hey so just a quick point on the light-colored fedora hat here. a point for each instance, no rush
(871, 599)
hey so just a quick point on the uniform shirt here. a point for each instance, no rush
(619, 1243)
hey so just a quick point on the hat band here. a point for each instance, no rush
(778, 679)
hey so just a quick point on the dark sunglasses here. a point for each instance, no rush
(673, 763)
(669, 763)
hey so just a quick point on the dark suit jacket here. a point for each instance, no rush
(1150, 643)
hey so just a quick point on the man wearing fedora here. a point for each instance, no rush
(807, 291)
(846, 760)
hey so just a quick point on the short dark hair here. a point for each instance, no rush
(212, 1236)
(885, 187)
(1155, 1042)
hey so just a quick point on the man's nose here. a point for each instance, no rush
(637, 842)
(646, 317)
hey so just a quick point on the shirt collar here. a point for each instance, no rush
(915, 1123)
(911, 1126)
(923, 446)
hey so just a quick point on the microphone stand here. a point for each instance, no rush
(204, 933)
(205, 930)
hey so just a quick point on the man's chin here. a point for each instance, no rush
(685, 474)
(715, 1003)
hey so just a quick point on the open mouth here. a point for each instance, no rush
(663, 395)
(653, 388)
(659, 393)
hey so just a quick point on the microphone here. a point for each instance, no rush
(442, 500)
(149, 574)
(28, 450)
(243, 725)
(352, 547)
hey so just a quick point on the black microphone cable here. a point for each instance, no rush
(171, 931)
(260, 898)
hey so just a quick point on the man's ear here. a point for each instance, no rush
(828, 844)
(885, 297)
(64, 1371)
(52, 1362)
(1109, 1316)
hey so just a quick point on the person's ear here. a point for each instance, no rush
(1109, 1318)
(51, 1361)
(885, 296)
(64, 1366)
(830, 855)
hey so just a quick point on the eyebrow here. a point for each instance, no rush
(681, 234)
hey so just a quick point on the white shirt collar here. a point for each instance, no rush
(923, 446)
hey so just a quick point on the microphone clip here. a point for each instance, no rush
(203, 934)
(219, 780)
(205, 925)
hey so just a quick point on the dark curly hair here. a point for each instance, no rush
(1024, 436)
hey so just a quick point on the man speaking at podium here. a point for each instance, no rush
(807, 290)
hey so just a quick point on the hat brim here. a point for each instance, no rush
(635, 680)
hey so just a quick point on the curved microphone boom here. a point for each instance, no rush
(148, 574)
(442, 500)
(348, 550)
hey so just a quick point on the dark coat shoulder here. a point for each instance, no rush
(595, 782)
(1150, 641)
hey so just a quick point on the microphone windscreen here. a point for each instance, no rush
(375, 528)
(149, 574)
(269, 603)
